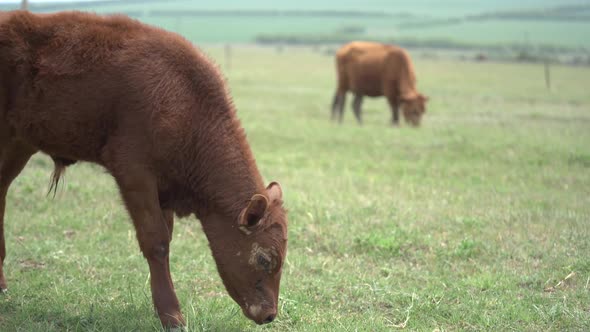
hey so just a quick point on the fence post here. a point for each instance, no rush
(547, 75)
(227, 53)
(24, 5)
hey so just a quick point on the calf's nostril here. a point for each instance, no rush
(269, 319)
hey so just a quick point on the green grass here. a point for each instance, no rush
(467, 223)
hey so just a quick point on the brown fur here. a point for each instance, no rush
(155, 112)
(372, 69)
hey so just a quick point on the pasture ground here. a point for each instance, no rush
(479, 220)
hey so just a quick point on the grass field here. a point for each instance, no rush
(478, 220)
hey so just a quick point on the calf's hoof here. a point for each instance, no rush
(173, 322)
(176, 329)
(3, 288)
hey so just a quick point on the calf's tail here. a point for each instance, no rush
(60, 165)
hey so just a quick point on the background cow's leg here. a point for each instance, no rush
(393, 103)
(13, 158)
(335, 102)
(338, 105)
(341, 107)
(139, 191)
(356, 107)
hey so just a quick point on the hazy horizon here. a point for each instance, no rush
(463, 24)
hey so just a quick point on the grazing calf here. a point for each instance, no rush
(156, 114)
(372, 69)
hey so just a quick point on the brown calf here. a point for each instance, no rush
(373, 69)
(143, 103)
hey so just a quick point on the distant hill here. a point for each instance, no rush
(560, 23)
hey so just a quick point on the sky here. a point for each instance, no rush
(40, 1)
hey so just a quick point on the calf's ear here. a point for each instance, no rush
(252, 215)
(274, 191)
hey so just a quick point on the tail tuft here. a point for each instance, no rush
(58, 171)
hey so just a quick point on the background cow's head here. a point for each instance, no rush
(413, 108)
(250, 252)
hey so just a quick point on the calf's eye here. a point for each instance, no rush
(263, 262)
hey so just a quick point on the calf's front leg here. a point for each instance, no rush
(154, 232)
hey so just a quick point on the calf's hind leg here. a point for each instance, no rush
(154, 231)
(13, 158)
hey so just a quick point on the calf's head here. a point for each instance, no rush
(413, 107)
(250, 251)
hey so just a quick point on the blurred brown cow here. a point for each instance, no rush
(373, 69)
